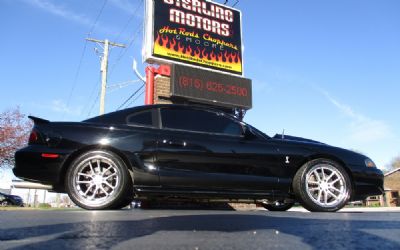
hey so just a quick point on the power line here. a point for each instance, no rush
(130, 97)
(123, 52)
(76, 76)
(97, 18)
(82, 56)
(129, 21)
(92, 93)
(94, 103)
(133, 101)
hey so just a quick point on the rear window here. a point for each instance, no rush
(142, 118)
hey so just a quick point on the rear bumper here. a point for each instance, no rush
(31, 166)
(367, 182)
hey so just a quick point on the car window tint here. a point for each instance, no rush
(142, 118)
(199, 120)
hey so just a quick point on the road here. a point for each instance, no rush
(199, 229)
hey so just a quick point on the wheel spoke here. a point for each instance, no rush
(114, 174)
(335, 189)
(323, 173)
(86, 175)
(84, 182)
(319, 195)
(317, 175)
(332, 194)
(87, 190)
(104, 191)
(94, 193)
(105, 171)
(98, 166)
(91, 168)
(313, 182)
(109, 185)
(325, 198)
(330, 176)
(334, 181)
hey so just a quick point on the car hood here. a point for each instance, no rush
(296, 139)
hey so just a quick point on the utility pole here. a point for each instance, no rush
(104, 67)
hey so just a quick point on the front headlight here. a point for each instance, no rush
(369, 163)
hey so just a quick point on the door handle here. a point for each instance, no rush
(176, 143)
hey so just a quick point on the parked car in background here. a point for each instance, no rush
(10, 200)
(185, 152)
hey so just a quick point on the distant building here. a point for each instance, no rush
(392, 188)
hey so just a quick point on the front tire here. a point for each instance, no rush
(4, 204)
(98, 180)
(322, 185)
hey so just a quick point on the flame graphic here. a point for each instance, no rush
(165, 46)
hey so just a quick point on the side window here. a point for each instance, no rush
(142, 118)
(199, 120)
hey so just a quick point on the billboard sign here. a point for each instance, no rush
(194, 32)
(210, 87)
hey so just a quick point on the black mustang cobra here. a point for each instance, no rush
(190, 152)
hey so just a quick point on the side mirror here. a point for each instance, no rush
(247, 133)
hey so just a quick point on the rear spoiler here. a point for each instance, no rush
(38, 120)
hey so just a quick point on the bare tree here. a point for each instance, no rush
(14, 131)
(394, 164)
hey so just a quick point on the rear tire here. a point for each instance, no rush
(98, 180)
(322, 185)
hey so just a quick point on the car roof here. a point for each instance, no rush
(120, 115)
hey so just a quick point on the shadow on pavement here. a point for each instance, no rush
(316, 233)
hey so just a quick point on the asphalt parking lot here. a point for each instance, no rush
(200, 229)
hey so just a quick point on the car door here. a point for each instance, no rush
(207, 150)
(139, 138)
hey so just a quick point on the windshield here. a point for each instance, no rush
(256, 131)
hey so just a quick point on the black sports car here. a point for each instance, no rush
(10, 200)
(190, 152)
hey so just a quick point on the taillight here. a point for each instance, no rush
(33, 137)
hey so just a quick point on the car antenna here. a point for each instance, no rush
(283, 134)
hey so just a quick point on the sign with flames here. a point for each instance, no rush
(194, 32)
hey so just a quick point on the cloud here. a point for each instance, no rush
(363, 129)
(59, 10)
(128, 6)
(58, 106)
(66, 13)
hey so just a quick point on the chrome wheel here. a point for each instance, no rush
(96, 180)
(326, 185)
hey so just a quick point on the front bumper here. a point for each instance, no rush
(367, 182)
(31, 166)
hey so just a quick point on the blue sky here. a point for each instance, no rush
(325, 70)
